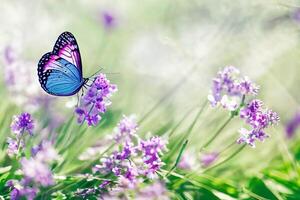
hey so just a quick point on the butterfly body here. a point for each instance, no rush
(60, 71)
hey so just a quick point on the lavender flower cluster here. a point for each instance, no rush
(20, 126)
(208, 158)
(135, 160)
(35, 170)
(228, 88)
(126, 129)
(189, 161)
(95, 101)
(231, 92)
(292, 125)
(36, 173)
(259, 119)
(153, 191)
(108, 20)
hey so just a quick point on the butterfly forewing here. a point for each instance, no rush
(66, 47)
(60, 71)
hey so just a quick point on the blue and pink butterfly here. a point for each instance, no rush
(60, 71)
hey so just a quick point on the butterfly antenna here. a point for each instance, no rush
(112, 73)
(96, 72)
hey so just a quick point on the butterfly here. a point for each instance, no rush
(60, 71)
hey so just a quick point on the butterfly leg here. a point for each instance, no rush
(89, 85)
(82, 92)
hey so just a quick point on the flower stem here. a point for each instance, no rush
(217, 132)
(91, 163)
(168, 94)
(19, 143)
(227, 159)
(227, 147)
(178, 158)
(180, 122)
(180, 142)
(189, 131)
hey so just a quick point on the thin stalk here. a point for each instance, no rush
(180, 122)
(232, 115)
(187, 132)
(19, 139)
(92, 162)
(72, 140)
(227, 159)
(227, 147)
(178, 158)
(196, 118)
(168, 94)
(217, 132)
(190, 180)
(220, 152)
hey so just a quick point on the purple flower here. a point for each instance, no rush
(45, 152)
(151, 149)
(125, 153)
(292, 125)
(19, 126)
(250, 136)
(14, 146)
(120, 167)
(229, 88)
(135, 159)
(104, 184)
(152, 191)
(36, 149)
(126, 128)
(106, 166)
(156, 190)
(10, 183)
(186, 161)
(253, 114)
(184, 164)
(95, 101)
(15, 194)
(273, 117)
(84, 193)
(37, 171)
(22, 123)
(29, 192)
(19, 80)
(20, 189)
(296, 15)
(108, 20)
(259, 119)
(208, 158)
(131, 173)
(117, 162)
(127, 182)
(9, 55)
(246, 87)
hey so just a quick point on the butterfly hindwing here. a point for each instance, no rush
(66, 47)
(60, 71)
(57, 76)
